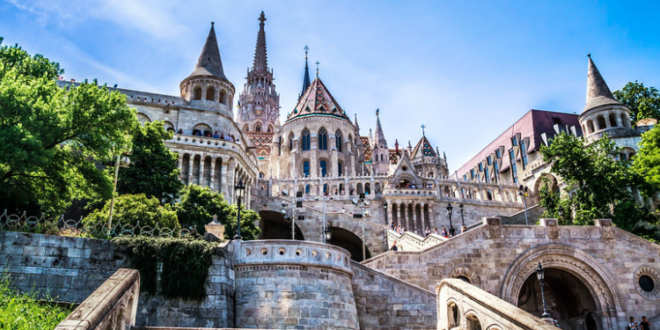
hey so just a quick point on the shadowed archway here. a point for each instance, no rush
(349, 241)
(273, 226)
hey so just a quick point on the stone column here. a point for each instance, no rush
(229, 192)
(223, 177)
(191, 162)
(201, 176)
(212, 183)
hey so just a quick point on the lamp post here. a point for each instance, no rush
(452, 232)
(327, 235)
(522, 191)
(385, 211)
(364, 246)
(463, 226)
(239, 189)
(292, 218)
(540, 274)
(118, 164)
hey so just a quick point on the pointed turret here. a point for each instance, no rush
(306, 81)
(356, 123)
(317, 100)
(260, 56)
(379, 137)
(209, 62)
(598, 93)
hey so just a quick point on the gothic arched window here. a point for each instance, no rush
(198, 93)
(290, 142)
(338, 140)
(223, 97)
(210, 93)
(246, 128)
(257, 128)
(324, 168)
(323, 139)
(306, 168)
(305, 140)
(270, 129)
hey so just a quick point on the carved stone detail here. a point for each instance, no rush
(466, 272)
(654, 274)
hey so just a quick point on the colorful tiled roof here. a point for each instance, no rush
(368, 150)
(424, 148)
(317, 100)
(262, 142)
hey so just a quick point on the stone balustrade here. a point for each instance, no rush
(410, 192)
(464, 306)
(409, 241)
(112, 306)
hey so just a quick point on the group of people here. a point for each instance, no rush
(228, 137)
(644, 325)
(428, 231)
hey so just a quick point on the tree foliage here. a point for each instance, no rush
(644, 102)
(133, 210)
(153, 169)
(199, 204)
(50, 137)
(647, 161)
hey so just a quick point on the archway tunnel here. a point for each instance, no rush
(568, 300)
(349, 241)
(274, 226)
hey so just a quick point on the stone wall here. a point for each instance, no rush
(499, 259)
(293, 285)
(385, 302)
(69, 269)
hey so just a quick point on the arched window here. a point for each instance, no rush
(198, 93)
(601, 123)
(340, 168)
(223, 97)
(270, 129)
(210, 93)
(257, 128)
(142, 118)
(306, 168)
(307, 188)
(305, 140)
(590, 126)
(202, 130)
(324, 168)
(323, 139)
(625, 121)
(246, 128)
(613, 120)
(290, 142)
(325, 189)
(338, 140)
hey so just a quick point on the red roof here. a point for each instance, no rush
(532, 125)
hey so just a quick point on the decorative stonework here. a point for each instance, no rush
(654, 274)
(466, 272)
(494, 230)
(551, 228)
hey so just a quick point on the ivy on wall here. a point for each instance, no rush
(185, 264)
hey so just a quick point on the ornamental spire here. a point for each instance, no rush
(260, 56)
(597, 91)
(379, 138)
(306, 81)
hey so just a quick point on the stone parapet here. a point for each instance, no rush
(409, 241)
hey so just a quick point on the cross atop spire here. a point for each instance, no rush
(260, 55)
(423, 127)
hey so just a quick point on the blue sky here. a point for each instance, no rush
(465, 69)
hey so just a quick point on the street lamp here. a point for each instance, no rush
(540, 274)
(452, 232)
(361, 203)
(240, 189)
(328, 232)
(463, 227)
(121, 162)
(385, 210)
(522, 191)
(292, 217)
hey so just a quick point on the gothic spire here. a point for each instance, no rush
(379, 138)
(597, 91)
(260, 57)
(306, 81)
(209, 62)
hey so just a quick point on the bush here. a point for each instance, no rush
(134, 209)
(185, 261)
(24, 312)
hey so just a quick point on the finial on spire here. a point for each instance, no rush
(589, 55)
(306, 50)
(262, 17)
(377, 111)
(317, 68)
(423, 127)
(212, 23)
(306, 81)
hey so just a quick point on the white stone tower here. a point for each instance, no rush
(259, 102)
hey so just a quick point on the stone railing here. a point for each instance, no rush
(464, 306)
(112, 306)
(409, 192)
(409, 241)
(265, 252)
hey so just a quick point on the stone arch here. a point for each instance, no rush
(168, 126)
(246, 128)
(590, 126)
(358, 188)
(142, 118)
(273, 225)
(472, 321)
(601, 284)
(625, 121)
(553, 184)
(601, 123)
(453, 313)
(197, 93)
(270, 129)
(203, 129)
(223, 97)
(466, 272)
(612, 118)
(257, 127)
(210, 93)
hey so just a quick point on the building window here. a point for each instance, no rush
(486, 176)
(305, 140)
(472, 174)
(514, 170)
(523, 153)
(465, 177)
(290, 142)
(498, 155)
(339, 169)
(257, 128)
(307, 187)
(514, 141)
(324, 168)
(210, 94)
(338, 140)
(556, 121)
(481, 167)
(323, 139)
(306, 168)
(489, 160)
(496, 171)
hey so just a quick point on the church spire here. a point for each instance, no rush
(306, 81)
(379, 138)
(597, 91)
(209, 62)
(260, 58)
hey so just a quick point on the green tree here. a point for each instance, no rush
(199, 204)
(644, 102)
(647, 161)
(153, 169)
(133, 210)
(51, 138)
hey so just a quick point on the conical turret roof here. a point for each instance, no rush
(318, 101)
(379, 136)
(598, 94)
(209, 62)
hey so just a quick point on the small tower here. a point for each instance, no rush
(381, 153)
(602, 113)
(207, 86)
(259, 101)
